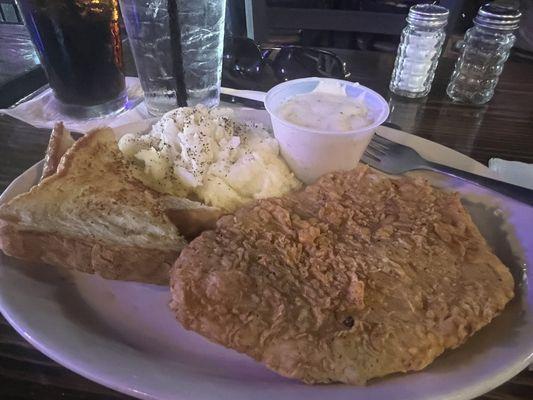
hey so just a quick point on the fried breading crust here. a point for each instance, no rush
(355, 277)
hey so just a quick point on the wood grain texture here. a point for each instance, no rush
(503, 128)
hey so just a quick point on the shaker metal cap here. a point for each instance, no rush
(502, 16)
(428, 15)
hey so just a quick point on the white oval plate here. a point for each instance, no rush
(123, 335)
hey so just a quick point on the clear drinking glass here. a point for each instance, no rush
(79, 46)
(178, 54)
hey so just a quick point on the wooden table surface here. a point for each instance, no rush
(502, 128)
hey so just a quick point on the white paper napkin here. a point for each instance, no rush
(516, 172)
(41, 112)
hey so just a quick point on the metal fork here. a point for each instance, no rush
(396, 158)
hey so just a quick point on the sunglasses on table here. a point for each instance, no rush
(245, 59)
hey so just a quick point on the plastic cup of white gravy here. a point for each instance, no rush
(323, 125)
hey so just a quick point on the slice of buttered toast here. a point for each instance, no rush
(95, 216)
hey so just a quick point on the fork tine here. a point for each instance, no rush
(369, 159)
(374, 155)
(378, 145)
(391, 146)
(377, 148)
(383, 141)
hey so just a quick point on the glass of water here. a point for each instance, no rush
(177, 46)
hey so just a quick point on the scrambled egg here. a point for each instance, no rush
(206, 155)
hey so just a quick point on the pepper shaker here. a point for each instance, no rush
(484, 51)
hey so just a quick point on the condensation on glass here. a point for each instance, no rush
(201, 25)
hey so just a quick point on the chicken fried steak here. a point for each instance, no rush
(355, 277)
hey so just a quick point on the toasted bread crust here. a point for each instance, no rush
(60, 141)
(90, 256)
(85, 142)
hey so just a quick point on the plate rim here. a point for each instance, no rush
(68, 362)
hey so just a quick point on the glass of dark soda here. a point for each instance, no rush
(78, 42)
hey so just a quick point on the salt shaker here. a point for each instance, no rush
(485, 49)
(420, 47)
